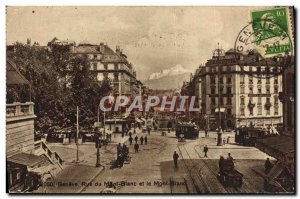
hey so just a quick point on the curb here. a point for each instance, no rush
(93, 178)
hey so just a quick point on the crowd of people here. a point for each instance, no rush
(136, 141)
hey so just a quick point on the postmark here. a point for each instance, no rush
(264, 43)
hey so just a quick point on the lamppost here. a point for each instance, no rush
(218, 53)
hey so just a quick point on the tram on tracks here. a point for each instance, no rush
(248, 136)
(187, 131)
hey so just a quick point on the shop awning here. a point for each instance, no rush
(27, 159)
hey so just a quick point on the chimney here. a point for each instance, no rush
(118, 51)
(101, 47)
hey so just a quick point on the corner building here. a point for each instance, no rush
(249, 89)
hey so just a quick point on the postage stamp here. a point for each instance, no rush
(271, 27)
(265, 41)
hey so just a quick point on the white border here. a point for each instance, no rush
(3, 3)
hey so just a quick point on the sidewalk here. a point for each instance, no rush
(72, 179)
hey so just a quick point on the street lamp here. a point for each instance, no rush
(217, 52)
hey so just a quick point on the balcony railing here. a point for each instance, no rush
(19, 109)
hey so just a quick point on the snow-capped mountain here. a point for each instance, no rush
(175, 70)
(171, 78)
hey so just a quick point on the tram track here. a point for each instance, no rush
(197, 185)
(213, 168)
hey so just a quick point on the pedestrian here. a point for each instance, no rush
(130, 140)
(175, 158)
(205, 132)
(130, 133)
(136, 139)
(122, 133)
(205, 150)
(169, 126)
(268, 166)
(229, 157)
(146, 139)
(224, 141)
(136, 147)
(142, 140)
(149, 129)
(228, 139)
(119, 149)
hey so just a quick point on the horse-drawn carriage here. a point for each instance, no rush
(228, 175)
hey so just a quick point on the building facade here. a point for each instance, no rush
(106, 63)
(248, 94)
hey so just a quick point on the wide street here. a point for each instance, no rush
(152, 169)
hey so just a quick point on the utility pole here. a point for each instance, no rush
(97, 142)
(220, 132)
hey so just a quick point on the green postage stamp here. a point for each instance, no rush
(271, 31)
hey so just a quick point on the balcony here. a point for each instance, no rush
(17, 110)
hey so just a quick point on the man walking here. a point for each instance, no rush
(142, 140)
(205, 150)
(130, 140)
(136, 147)
(136, 139)
(175, 158)
(146, 139)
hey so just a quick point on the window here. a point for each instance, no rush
(250, 68)
(251, 111)
(275, 110)
(212, 111)
(242, 79)
(228, 90)
(242, 90)
(276, 100)
(268, 81)
(105, 66)
(259, 90)
(116, 67)
(251, 90)
(242, 100)
(212, 90)
(242, 111)
(275, 80)
(221, 80)
(275, 89)
(95, 56)
(259, 81)
(221, 101)
(259, 110)
(229, 111)
(259, 100)
(258, 70)
(94, 67)
(268, 90)
(229, 101)
(250, 80)
(116, 77)
(228, 68)
(228, 80)
(221, 89)
(212, 79)
(213, 101)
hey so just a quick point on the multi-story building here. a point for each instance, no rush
(106, 63)
(249, 94)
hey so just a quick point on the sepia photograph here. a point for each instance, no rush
(161, 100)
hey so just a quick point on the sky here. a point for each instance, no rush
(153, 38)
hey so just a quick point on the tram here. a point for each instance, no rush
(247, 136)
(187, 131)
